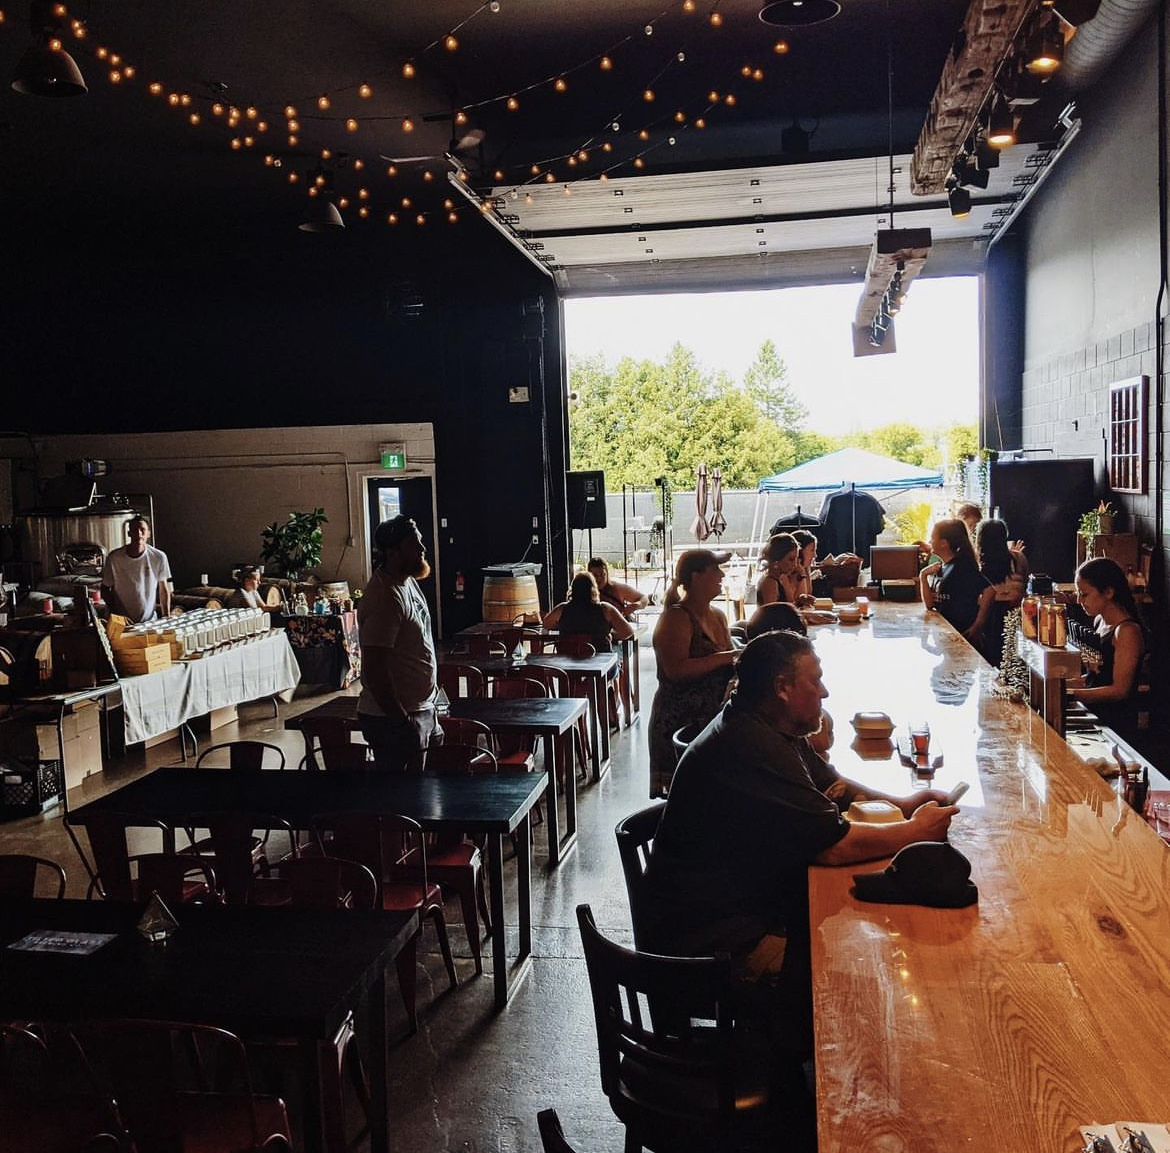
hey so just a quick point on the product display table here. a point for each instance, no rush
(326, 648)
(161, 701)
(1040, 1009)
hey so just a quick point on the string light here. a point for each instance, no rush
(420, 219)
(293, 178)
(364, 212)
(780, 47)
(365, 91)
(408, 125)
(155, 88)
(450, 43)
(392, 218)
(290, 113)
(460, 117)
(513, 104)
(453, 217)
(605, 64)
(293, 126)
(648, 95)
(358, 164)
(251, 112)
(408, 70)
(560, 85)
(392, 170)
(351, 125)
(323, 102)
(716, 19)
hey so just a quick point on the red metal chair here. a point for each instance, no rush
(161, 1074)
(40, 1112)
(228, 848)
(460, 681)
(464, 731)
(393, 848)
(457, 864)
(331, 745)
(560, 683)
(517, 751)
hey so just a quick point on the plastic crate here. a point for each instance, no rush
(28, 788)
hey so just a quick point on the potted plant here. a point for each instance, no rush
(1097, 521)
(294, 546)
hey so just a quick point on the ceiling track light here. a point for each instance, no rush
(897, 256)
(46, 69)
(1047, 49)
(959, 202)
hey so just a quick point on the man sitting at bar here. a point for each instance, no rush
(751, 806)
(399, 672)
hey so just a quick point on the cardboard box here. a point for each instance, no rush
(81, 742)
(893, 562)
(136, 662)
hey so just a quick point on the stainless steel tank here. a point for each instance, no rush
(45, 536)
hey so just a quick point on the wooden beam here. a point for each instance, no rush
(891, 247)
(988, 34)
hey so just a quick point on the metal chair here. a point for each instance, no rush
(21, 875)
(461, 681)
(393, 848)
(635, 838)
(243, 756)
(512, 751)
(229, 848)
(681, 738)
(552, 1137)
(331, 739)
(41, 1111)
(457, 864)
(465, 731)
(161, 1074)
(677, 1072)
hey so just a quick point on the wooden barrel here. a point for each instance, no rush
(507, 597)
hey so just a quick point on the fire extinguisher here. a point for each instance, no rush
(458, 586)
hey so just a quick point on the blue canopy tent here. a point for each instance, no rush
(846, 466)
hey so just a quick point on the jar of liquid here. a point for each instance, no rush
(1029, 611)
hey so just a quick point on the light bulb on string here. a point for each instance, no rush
(406, 202)
(364, 211)
(392, 170)
(757, 74)
(616, 126)
(155, 88)
(392, 218)
(512, 104)
(358, 164)
(343, 202)
(428, 176)
(365, 91)
(293, 178)
(639, 162)
(550, 178)
(290, 113)
(680, 117)
(648, 95)
(195, 118)
(780, 47)
(700, 123)
(460, 117)
(644, 134)
(649, 29)
(261, 125)
(326, 154)
(407, 125)
(420, 219)
(493, 5)
(729, 100)
(498, 175)
(535, 170)
(453, 217)
(363, 194)
(115, 76)
(293, 126)
(746, 71)
(450, 43)
(572, 162)
(129, 71)
(604, 177)
(583, 156)
(688, 5)
(251, 112)
(716, 19)
(293, 141)
(606, 146)
(323, 102)
(351, 125)
(712, 97)
(605, 64)
(408, 70)
(100, 52)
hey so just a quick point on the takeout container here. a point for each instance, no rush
(874, 813)
(849, 614)
(873, 726)
(900, 590)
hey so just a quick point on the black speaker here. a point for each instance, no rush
(586, 495)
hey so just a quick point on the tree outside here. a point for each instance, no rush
(642, 420)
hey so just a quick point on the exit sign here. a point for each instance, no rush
(393, 456)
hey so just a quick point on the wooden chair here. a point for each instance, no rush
(677, 1072)
(393, 848)
(242, 756)
(460, 681)
(22, 875)
(635, 839)
(40, 1112)
(162, 1074)
(457, 863)
(552, 1136)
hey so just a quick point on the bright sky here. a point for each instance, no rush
(932, 380)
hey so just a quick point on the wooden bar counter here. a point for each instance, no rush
(1046, 1006)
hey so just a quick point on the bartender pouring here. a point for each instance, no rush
(136, 577)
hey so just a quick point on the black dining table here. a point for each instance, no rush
(262, 973)
(551, 719)
(493, 804)
(596, 671)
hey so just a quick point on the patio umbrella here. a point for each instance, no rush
(700, 530)
(718, 523)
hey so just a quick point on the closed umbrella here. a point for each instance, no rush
(700, 530)
(718, 522)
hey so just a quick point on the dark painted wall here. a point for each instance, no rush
(136, 321)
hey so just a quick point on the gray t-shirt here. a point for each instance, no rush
(135, 580)
(396, 617)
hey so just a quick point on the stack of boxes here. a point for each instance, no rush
(136, 653)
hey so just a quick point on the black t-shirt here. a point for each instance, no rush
(956, 595)
(746, 816)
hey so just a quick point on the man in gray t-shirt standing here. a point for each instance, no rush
(136, 577)
(399, 672)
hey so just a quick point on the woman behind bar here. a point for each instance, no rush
(1113, 648)
(954, 584)
(1005, 588)
(585, 614)
(693, 650)
(806, 561)
(780, 557)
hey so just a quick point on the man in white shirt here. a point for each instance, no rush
(136, 577)
(399, 671)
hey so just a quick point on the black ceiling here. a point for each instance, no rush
(119, 145)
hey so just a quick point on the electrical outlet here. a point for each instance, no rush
(535, 539)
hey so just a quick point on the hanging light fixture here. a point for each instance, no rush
(46, 69)
(323, 215)
(1047, 51)
(1001, 125)
(959, 202)
(799, 13)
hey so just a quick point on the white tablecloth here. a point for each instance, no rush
(158, 702)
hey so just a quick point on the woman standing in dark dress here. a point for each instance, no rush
(1004, 591)
(954, 584)
(693, 649)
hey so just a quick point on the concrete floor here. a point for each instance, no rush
(471, 1079)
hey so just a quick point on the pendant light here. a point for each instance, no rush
(46, 69)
